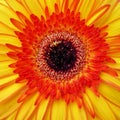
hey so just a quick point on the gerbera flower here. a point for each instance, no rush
(59, 60)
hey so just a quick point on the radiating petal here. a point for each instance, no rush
(6, 30)
(9, 90)
(5, 15)
(27, 107)
(114, 14)
(115, 109)
(6, 71)
(3, 49)
(76, 113)
(4, 39)
(86, 7)
(6, 80)
(8, 99)
(110, 93)
(97, 14)
(113, 28)
(88, 105)
(35, 7)
(4, 57)
(101, 107)
(11, 116)
(42, 109)
(113, 81)
(50, 5)
(17, 6)
(59, 109)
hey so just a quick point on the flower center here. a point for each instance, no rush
(61, 55)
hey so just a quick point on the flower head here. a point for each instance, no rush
(59, 60)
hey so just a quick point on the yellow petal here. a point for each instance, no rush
(115, 109)
(5, 71)
(110, 93)
(5, 64)
(4, 39)
(35, 8)
(4, 57)
(4, 29)
(97, 14)
(83, 113)
(89, 117)
(7, 79)
(102, 109)
(50, 5)
(5, 15)
(3, 2)
(115, 65)
(115, 13)
(113, 28)
(69, 116)
(86, 7)
(88, 105)
(59, 110)
(3, 49)
(60, 4)
(9, 90)
(113, 81)
(102, 21)
(17, 6)
(76, 112)
(47, 115)
(11, 116)
(8, 99)
(27, 107)
(43, 106)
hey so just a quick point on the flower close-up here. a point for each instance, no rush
(59, 60)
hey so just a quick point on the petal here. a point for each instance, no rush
(27, 107)
(113, 81)
(5, 14)
(3, 2)
(47, 115)
(88, 105)
(4, 39)
(113, 28)
(97, 14)
(115, 13)
(59, 109)
(9, 90)
(8, 99)
(110, 93)
(89, 117)
(6, 71)
(103, 21)
(11, 116)
(75, 112)
(17, 6)
(6, 80)
(115, 109)
(42, 109)
(102, 109)
(4, 57)
(35, 7)
(4, 49)
(85, 7)
(6, 30)
(50, 4)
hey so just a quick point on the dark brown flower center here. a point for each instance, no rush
(61, 55)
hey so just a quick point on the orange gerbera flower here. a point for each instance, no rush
(59, 60)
